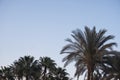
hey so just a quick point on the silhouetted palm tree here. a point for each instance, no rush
(48, 66)
(7, 73)
(24, 66)
(36, 70)
(61, 74)
(86, 49)
(18, 70)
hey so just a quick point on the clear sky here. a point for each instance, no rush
(40, 27)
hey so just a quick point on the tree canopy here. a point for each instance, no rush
(30, 69)
(91, 50)
(88, 49)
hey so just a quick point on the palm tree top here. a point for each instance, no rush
(86, 47)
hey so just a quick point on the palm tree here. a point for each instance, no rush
(86, 49)
(7, 73)
(48, 66)
(36, 70)
(23, 67)
(18, 70)
(61, 74)
(111, 65)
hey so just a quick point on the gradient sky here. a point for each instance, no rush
(40, 27)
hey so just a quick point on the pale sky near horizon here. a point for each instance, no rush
(40, 27)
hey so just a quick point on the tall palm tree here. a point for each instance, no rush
(86, 49)
(48, 66)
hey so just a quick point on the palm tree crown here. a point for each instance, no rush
(86, 49)
(23, 67)
(48, 66)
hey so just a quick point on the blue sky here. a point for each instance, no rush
(40, 27)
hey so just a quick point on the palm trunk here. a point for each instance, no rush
(18, 78)
(88, 76)
(90, 73)
(44, 74)
(27, 78)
